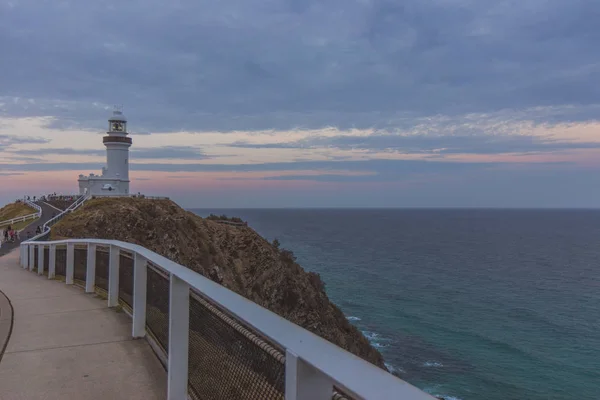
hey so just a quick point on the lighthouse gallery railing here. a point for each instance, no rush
(214, 343)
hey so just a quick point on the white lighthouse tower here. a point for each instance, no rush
(114, 180)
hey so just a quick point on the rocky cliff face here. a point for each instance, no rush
(234, 256)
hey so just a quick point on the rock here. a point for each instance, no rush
(215, 274)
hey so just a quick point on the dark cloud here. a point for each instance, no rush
(174, 152)
(63, 152)
(324, 178)
(6, 141)
(16, 157)
(378, 169)
(140, 153)
(253, 64)
(433, 144)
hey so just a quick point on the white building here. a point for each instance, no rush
(114, 180)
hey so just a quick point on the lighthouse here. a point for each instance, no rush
(114, 180)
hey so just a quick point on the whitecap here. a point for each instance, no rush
(371, 335)
(433, 391)
(353, 318)
(433, 364)
(393, 369)
(376, 340)
(378, 345)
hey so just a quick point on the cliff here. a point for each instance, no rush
(234, 256)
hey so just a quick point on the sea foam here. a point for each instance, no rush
(434, 364)
(393, 369)
(375, 339)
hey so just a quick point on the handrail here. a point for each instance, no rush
(313, 366)
(22, 218)
(46, 227)
(35, 206)
(19, 219)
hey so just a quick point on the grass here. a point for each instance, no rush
(15, 210)
(20, 225)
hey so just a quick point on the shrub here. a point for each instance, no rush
(287, 256)
(315, 280)
(224, 217)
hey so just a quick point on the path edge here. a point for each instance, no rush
(7, 317)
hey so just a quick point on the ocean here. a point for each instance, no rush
(465, 304)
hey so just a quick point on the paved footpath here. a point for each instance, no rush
(66, 344)
(47, 214)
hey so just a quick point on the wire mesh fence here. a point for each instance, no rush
(80, 264)
(157, 305)
(228, 361)
(46, 260)
(36, 256)
(61, 261)
(126, 279)
(102, 260)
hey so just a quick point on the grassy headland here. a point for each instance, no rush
(14, 210)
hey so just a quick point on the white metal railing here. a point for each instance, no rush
(19, 219)
(46, 227)
(313, 366)
(143, 196)
(22, 218)
(35, 206)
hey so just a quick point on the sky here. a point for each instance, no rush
(306, 103)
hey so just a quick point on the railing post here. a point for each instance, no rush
(303, 381)
(179, 323)
(113, 276)
(24, 258)
(70, 263)
(140, 275)
(90, 272)
(31, 256)
(40, 259)
(52, 262)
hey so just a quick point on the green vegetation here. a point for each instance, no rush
(15, 210)
(224, 217)
(20, 225)
(288, 257)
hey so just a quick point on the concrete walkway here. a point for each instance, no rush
(66, 344)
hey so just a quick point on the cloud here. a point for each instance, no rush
(255, 64)
(382, 168)
(493, 133)
(176, 152)
(171, 152)
(63, 151)
(6, 141)
(442, 91)
(434, 144)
